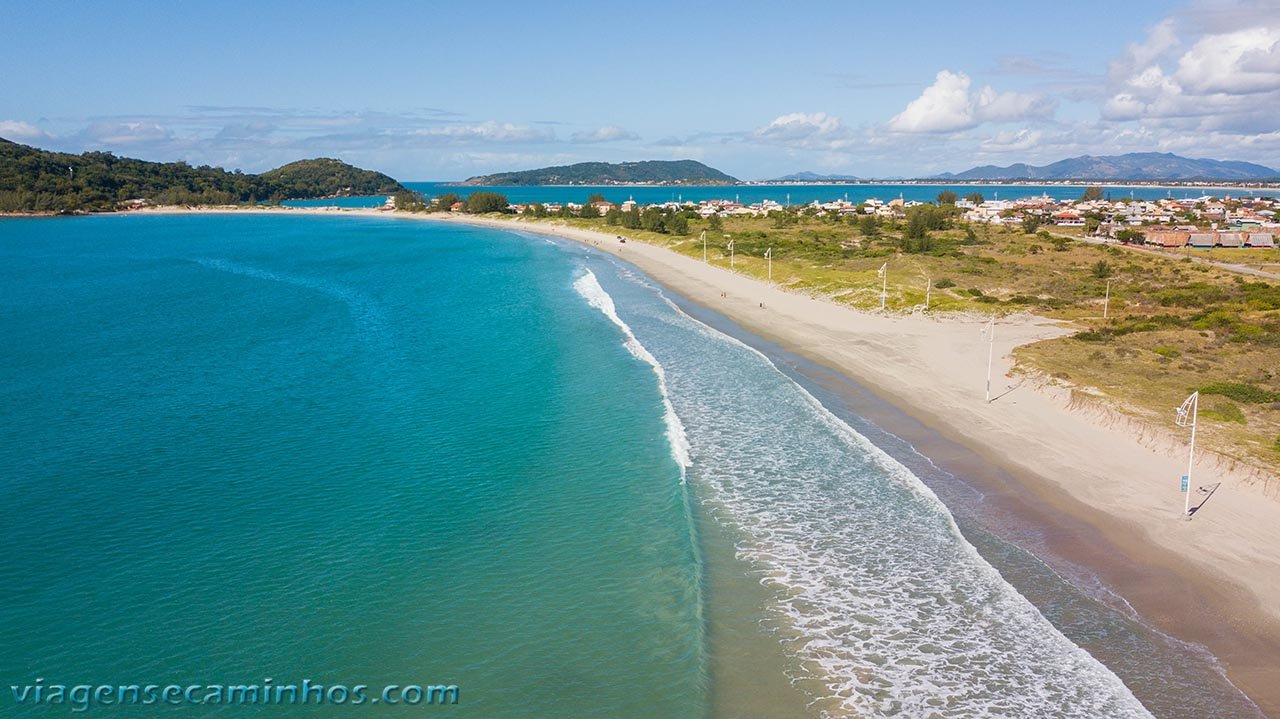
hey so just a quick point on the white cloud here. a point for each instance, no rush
(948, 105)
(798, 129)
(20, 131)
(1243, 62)
(1227, 80)
(127, 133)
(1013, 140)
(485, 132)
(608, 133)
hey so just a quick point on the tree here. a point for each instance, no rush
(595, 197)
(1092, 193)
(947, 197)
(975, 197)
(484, 201)
(1102, 269)
(869, 226)
(1030, 223)
(588, 211)
(407, 201)
(653, 219)
(631, 218)
(678, 224)
(1091, 225)
(613, 216)
(715, 223)
(444, 202)
(538, 209)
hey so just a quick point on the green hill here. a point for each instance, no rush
(324, 177)
(655, 172)
(34, 180)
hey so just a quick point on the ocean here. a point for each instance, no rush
(373, 451)
(785, 194)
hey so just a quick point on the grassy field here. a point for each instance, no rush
(1174, 326)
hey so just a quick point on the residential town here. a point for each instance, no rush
(1201, 222)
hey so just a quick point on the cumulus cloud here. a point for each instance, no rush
(948, 105)
(1223, 79)
(608, 133)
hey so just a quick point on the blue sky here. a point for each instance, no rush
(443, 91)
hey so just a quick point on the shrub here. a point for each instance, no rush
(1225, 412)
(944, 283)
(1241, 392)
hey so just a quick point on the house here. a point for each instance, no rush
(1167, 239)
(1230, 239)
(1202, 240)
(457, 206)
(1260, 239)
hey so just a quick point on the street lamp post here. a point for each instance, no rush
(768, 255)
(991, 352)
(928, 290)
(884, 286)
(1187, 416)
(1106, 302)
(704, 245)
(731, 254)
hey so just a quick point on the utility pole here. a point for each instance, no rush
(1106, 302)
(768, 255)
(928, 290)
(704, 246)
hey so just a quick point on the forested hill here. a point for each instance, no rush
(658, 172)
(34, 180)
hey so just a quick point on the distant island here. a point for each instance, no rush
(649, 172)
(1140, 166)
(35, 180)
(806, 176)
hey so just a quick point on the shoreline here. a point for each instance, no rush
(1213, 581)
(1209, 581)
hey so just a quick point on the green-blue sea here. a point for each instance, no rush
(258, 450)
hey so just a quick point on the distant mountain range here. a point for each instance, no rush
(1133, 166)
(807, 176)
(657, 172)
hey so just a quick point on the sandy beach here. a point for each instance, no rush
(1214, 580)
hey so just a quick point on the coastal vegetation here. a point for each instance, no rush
(34, 180)
(1172, 326)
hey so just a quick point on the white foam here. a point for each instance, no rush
(888, 604)
(596, 296)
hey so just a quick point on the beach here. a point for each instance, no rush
(1214, 580)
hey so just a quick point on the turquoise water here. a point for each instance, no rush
(378, 451)
(795, 194)
(355, 452)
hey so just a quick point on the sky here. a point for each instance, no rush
(436, 91)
